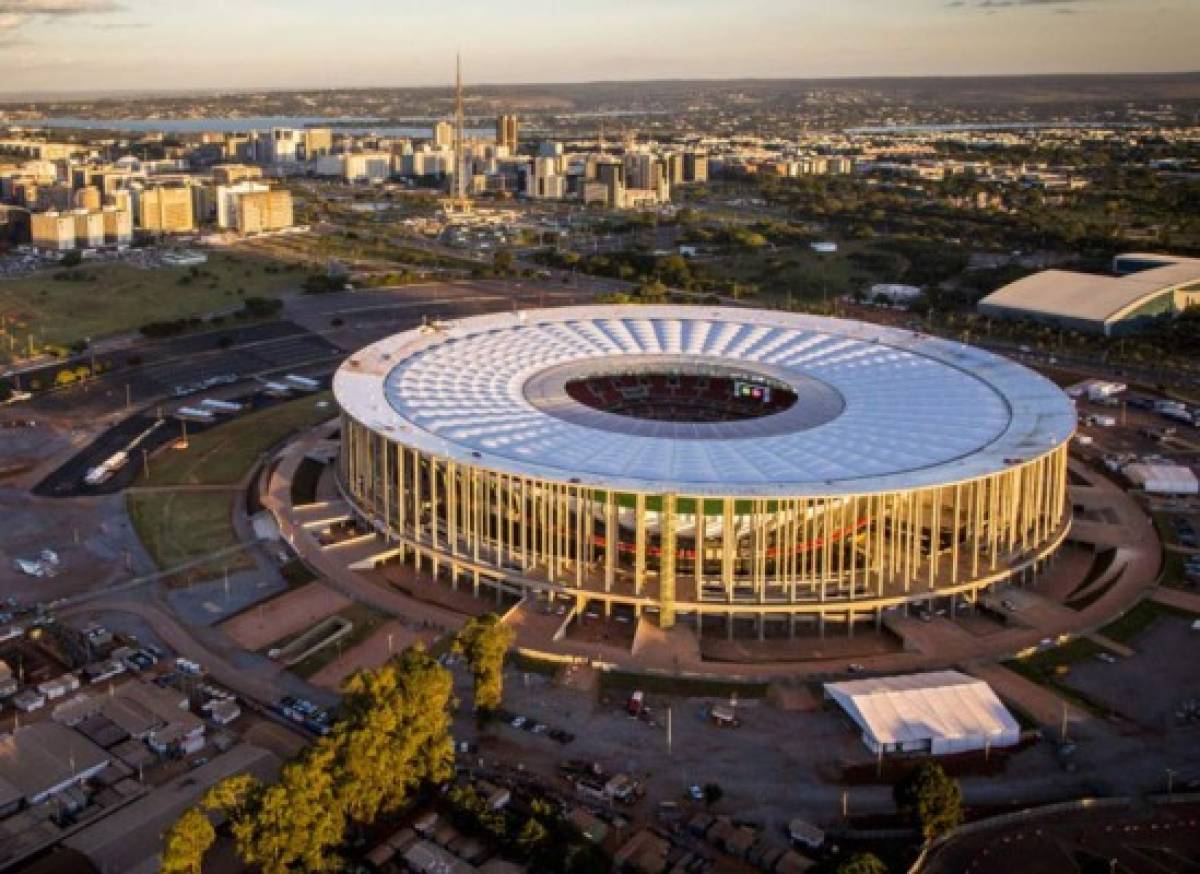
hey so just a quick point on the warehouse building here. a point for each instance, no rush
(1143, 290)
(940, 713)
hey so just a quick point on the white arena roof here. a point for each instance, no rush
(878, 409)
(943, 711)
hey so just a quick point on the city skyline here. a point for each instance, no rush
(51, 45)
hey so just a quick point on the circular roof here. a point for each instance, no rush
(878, 409)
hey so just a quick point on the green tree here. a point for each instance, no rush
(395, 734)
(186, 842)
(503, 261)
(930, 799)
(484, 642)
(532, 837)
(232, 796)
(862, 863)
(297, 822)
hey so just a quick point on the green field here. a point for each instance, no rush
(225, 454)
(1129, 625)
(106, 299)
(179, 527)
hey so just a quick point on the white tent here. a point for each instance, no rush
(940, 712)
(1163, 479)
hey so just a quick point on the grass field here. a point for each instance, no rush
(1126, 628)
(114, 298)
(225, 454)
(178, 527)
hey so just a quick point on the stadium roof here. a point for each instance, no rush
(1088, 296)
(879, 409)
(942, 706)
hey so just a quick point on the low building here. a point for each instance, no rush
(40, 760)
(1163, 479)
(940, 712)
(1145, 289)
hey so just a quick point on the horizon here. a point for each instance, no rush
(134, 92)
(51, 45)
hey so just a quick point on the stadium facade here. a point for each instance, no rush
(701, 461)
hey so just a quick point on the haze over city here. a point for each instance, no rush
(89, 45)
(579, 437)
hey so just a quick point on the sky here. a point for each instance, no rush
(89, 45)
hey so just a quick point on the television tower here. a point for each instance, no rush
(459, 193)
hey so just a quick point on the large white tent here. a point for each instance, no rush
(940, 712)
(1163, 479)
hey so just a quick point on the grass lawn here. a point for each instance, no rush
(1050, 668)
(225, 454)
(114, 298)
(1132, 623)
(366, 620)
(178, 527)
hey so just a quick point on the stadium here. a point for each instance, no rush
(705, 464)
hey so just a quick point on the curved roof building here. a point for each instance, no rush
(1146, 288)
(705, 460)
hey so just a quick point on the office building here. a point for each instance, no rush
(315, 142)
(443, 134)
(89, 228)
(166, 210)
(231, 174)
(261, 211)
(507, 133)
(227, 200)
(52, 231)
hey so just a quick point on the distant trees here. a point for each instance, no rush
(930, 799)
(862, 863)
(394, 736)
(503, 261)
(484, 641)
(186, 842)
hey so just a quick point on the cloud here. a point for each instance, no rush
(1056, 5)
(15, 14)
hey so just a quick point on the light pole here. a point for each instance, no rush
(1170, 781)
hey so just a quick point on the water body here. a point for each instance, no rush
(350, 125)
(987, 126)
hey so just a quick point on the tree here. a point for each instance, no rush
(484, 642)
(296, 822)
(395, 734)
(502, 261)
(713, 793)
(930, 799)
(862, 863)
(186, 842)
(232, 796)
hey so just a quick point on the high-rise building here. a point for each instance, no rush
(87, 197)
(507, 133)
(231, 174)
(118, 226)
(283, 145)
(443, 134)
(316, 141)
(695, 167)
(166, 210)
(53, 231)
(227, 200)
(264, 211)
